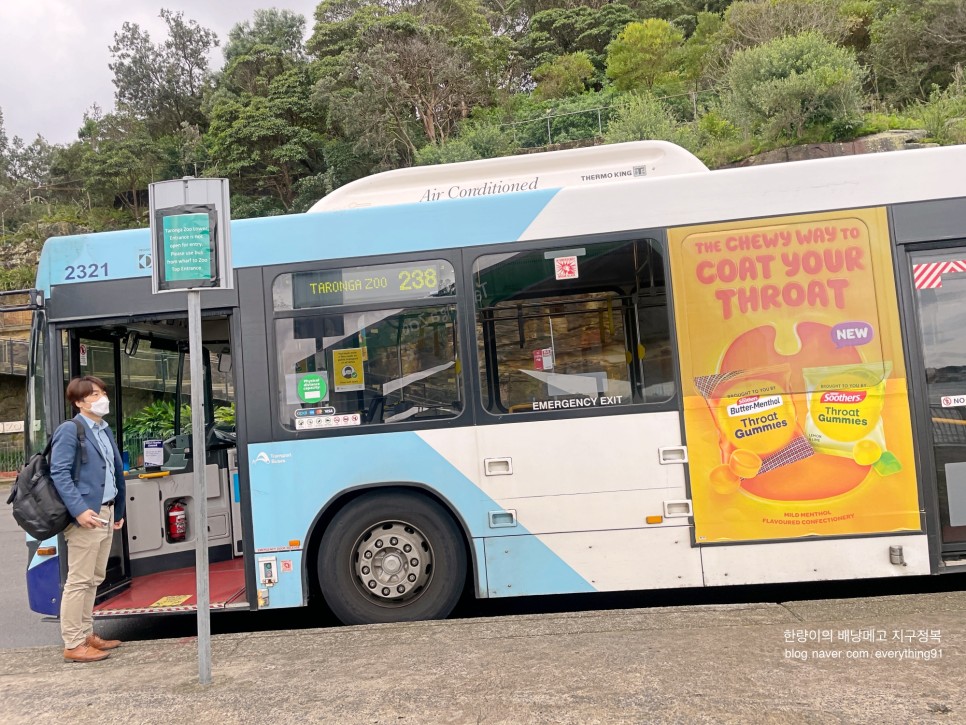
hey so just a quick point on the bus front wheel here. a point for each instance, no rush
(391, 557)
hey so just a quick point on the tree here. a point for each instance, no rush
(683, 14)
(566, 75)
(26, 163)
(398, 75)
(754, 22)
(567, 30)
(788, 85)
(915, 45)
(642, 117)
(3, 148)
(265, 128)
(698, 54)
(750, 23)
(409, 88)
(279, 29)
(163, 84)
(644, 55)
(24, 168)
(118, 160)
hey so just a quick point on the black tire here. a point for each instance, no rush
(391, 557)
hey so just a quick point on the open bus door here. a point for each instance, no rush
(82, 351)
(144, 365)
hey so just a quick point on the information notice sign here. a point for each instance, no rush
(185, 246)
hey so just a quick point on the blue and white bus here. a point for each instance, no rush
(581, 371)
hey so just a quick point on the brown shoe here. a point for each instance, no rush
(84, 653)
(102, 644)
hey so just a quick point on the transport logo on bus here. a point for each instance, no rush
(271, 458)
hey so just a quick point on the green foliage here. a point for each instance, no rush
(788, 85)
(642, 117)
(155, 420)
(117, 160)
(565, 75)
(225, 416)
(699, 50)
(163, 84)
(561, 31)
(916, 45)
(644, 55)
(532, 123)
(19, 277)
(265, 136)
(279, 29)
(389, 83)
(474, 142)
(943, 116)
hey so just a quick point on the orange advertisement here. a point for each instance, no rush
(795, 400)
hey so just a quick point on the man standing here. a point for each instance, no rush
(94, 495)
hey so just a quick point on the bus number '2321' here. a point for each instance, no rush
(85, 271)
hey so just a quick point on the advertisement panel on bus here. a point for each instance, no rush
(795, 399)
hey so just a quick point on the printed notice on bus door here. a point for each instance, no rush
(796, 407)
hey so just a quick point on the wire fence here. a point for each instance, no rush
(585, 124)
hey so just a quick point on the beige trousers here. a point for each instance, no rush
(87, 554)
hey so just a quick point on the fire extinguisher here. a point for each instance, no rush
(177, 521)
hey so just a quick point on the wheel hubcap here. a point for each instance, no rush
(393, 562)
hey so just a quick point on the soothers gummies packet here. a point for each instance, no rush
(756, 420)
(845, 410)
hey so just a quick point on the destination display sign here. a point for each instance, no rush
(378, 283)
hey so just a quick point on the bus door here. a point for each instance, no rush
(939, 295)
(146, 368)
(90, 353)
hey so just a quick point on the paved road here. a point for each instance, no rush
(19, 627)
(875, 660)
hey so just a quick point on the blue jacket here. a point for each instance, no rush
(87, 491)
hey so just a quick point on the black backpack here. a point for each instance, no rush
(37, 507)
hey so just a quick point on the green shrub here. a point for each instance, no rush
(784, 87)
(641, 116)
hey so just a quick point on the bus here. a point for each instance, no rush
(581, 371)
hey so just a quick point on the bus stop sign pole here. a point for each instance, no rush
(191, 252)
(199, 454)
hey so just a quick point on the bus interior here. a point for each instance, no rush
(145, 366)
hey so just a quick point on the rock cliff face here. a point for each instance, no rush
(886, 141)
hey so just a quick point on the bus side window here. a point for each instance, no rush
(574, 328)
(373, 364)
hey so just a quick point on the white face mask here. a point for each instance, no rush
(101, 407)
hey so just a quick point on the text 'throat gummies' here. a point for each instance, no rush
(755, 415)
(845, 410)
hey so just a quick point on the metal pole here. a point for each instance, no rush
(198, 456)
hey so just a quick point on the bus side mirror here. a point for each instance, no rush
(131, 343)
(224, 362)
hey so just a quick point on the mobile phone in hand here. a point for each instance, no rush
(102, 522)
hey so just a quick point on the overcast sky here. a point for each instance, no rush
(54, 53)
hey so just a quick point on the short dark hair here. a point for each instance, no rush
(80, 388)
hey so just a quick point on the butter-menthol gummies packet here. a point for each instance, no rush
(756, 420)
(845, 410)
